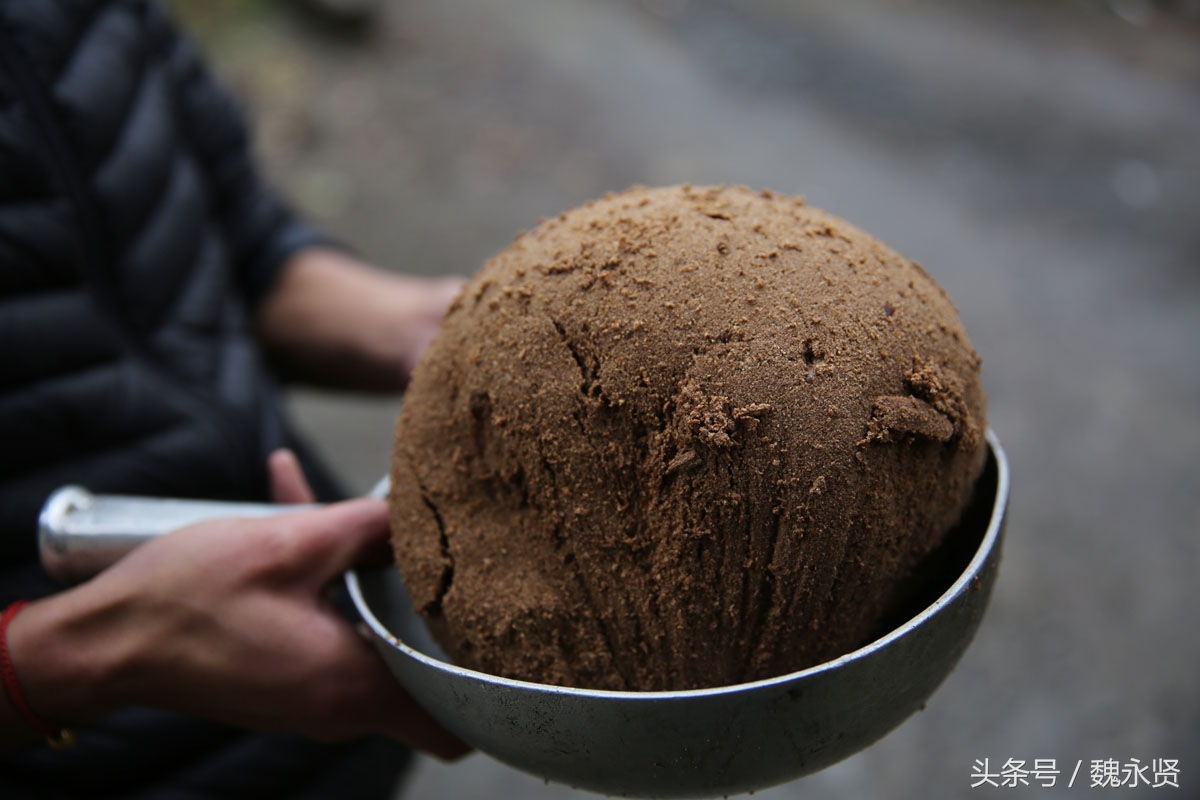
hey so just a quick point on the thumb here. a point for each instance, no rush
(288, 484)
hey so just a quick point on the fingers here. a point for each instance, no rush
(345, 534)
(394, 713)
(288, 484)
(417, 729)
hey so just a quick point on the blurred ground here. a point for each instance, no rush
(1042, 160)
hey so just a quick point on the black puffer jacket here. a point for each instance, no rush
(135, 240)
(134, 237)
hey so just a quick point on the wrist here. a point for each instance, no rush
(65, 667)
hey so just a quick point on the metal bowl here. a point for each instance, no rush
(708, 742)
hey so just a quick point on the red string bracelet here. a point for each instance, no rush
(56, 736)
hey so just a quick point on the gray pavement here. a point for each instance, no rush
(1042, 164)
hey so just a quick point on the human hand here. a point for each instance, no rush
(416, 307)
(227, 620)
(334, 320)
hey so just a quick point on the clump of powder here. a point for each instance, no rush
(678, 438)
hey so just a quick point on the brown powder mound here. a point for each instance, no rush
(680, 438)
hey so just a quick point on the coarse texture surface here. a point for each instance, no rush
(679, 438)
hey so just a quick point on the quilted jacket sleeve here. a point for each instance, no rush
(261, 230)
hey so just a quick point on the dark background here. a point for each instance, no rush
(1040, 159)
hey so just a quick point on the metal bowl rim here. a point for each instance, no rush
(960, 585)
